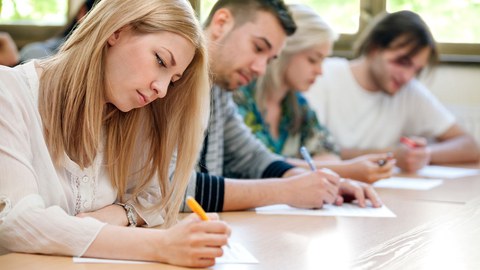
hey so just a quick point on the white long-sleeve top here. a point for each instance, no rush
(39, 201)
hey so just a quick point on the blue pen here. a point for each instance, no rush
(307, 158)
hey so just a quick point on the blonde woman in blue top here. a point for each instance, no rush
(278, 114)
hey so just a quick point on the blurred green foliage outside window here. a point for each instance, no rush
(451, 21)
(36, 12)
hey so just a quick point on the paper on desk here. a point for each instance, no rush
(235, 254)
(446, 172)
(408, 183)
(346, 210)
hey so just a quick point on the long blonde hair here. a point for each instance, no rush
(311, 30)
(138, 144)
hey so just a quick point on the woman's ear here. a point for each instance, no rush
(222, 22)
(115, 37)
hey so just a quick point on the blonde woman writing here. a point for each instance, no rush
(88, 138)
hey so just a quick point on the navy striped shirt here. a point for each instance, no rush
(230, 150)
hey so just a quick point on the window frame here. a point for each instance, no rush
(449, 52)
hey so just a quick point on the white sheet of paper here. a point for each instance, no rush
(235, 254)
(446, 172)
(346, 210)
(408, 183)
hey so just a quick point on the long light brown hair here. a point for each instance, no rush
(311, 30)
(138, 145)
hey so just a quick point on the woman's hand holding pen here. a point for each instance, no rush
(370, 168)
(195, 243)
(412, 154)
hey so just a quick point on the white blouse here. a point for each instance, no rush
(38, 201)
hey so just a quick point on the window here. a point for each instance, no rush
(38, 12)
(452, 22)
(205, 7)
(342, 15)
(32, 20)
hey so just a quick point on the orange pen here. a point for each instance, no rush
(197, 208)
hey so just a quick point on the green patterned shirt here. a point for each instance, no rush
(315, 137)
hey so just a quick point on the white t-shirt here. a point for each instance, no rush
(38, 201)
(361, 119)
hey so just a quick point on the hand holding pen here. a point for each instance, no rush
(330, 185)
(383, 161)
(192, 242)
(346, 189)
(370, 168)
(413, 154)
(409, 142)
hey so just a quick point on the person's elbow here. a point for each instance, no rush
(475, 150)
(471, 148)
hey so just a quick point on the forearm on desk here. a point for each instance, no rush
(251, 193)
(216, 194)
(211, 190)
(455, 150)
(124, 238)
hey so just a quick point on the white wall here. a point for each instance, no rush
(458, 88)
(455, 84)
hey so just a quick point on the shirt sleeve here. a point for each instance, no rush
(145, 202)
(29, 221)
(210, 189)
(38, 50)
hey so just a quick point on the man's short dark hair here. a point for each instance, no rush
(246, 10)
(404, 28)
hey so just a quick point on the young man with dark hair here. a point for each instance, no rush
(236, 171)
(372, 102)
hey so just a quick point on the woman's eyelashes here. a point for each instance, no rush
(160, 60)
(315, 59)
(258, 49)
(162, 63)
